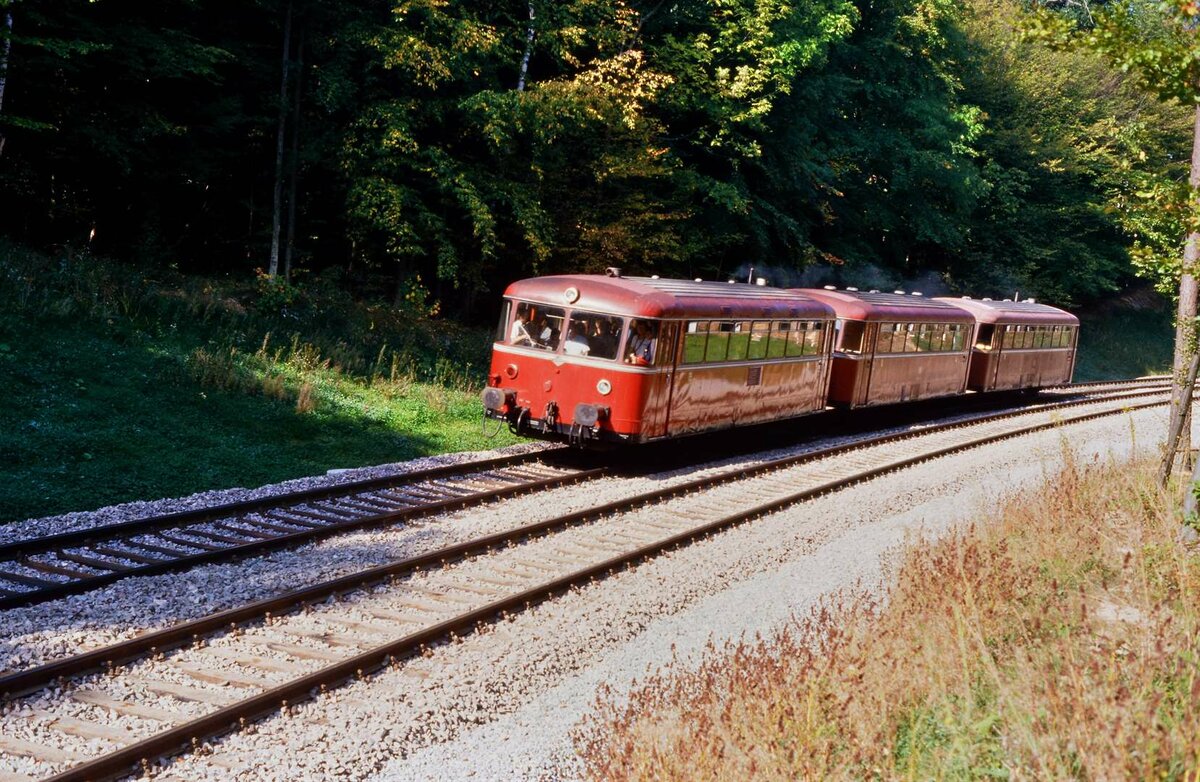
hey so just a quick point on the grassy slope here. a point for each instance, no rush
(96, 416)
(1124, 343)
(102, 407)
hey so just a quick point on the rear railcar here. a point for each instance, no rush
(1020, 344)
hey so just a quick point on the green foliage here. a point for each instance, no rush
(1155, 42)
(882, 139)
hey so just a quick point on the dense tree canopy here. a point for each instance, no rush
(434, 151)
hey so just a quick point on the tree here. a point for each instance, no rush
(1157, 41)
(6, 28)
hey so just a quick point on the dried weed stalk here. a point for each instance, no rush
(1055, 641)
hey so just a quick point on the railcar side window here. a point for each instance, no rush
(852, 336)
(795, 343)
(739, 342)
(1056, 336)
(883, 340)
(812, 338)
(960, 337)
(694, 341)
(718, 340)
(760, 335)
(948, 331)
(925, 337)
(505, 316)
(779, 338)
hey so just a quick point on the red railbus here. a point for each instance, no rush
(607, 359)
(1020, 344)
(893, 347)
(591, 358)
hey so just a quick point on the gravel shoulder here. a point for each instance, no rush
(500, 705)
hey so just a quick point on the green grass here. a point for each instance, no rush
(106, 407)
(1125, 343)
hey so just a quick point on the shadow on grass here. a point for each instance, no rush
(97, 414)
(1125, 343)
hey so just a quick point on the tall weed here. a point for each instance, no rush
(1059, 640)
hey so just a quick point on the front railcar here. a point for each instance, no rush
(579, 359)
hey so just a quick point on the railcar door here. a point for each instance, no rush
(659, 386)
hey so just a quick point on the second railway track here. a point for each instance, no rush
(54, 566)
(175, 687)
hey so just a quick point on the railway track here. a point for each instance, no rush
(169, 690)
(51, 567)
(55, 566)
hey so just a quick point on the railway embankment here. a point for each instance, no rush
(125, 384)
(1053, 639)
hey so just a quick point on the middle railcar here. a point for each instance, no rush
(893, 347)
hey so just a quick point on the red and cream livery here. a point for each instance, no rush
(589, 358)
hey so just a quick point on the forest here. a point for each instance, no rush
(425, 153)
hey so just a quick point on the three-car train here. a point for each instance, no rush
(593, 359)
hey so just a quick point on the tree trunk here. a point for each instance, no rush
(5, 50)
(294, 163)
(1185, 331)
(528, 52)
(273, 266)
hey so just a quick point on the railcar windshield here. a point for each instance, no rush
(531, 325)
(593, 335)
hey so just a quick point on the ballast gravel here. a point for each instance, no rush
(41, 633)
(500, 704)
(129, 511)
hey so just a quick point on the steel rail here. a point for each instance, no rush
(225, 510)
(116, 533)
(20, 683)
(127, 759)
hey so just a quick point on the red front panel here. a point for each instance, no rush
(637, 399)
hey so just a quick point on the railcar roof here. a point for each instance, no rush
(874, 306)
(649, 297)
(1015, 312)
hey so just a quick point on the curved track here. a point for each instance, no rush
(202, 678)
(47, 568)
(55, 566)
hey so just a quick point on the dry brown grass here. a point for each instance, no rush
(1058, 640)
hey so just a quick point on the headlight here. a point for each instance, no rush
(604, 387)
